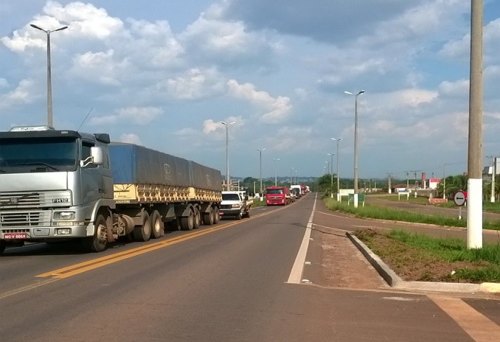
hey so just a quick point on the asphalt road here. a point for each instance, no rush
(228, 282)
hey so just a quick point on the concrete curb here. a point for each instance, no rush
(396, 282)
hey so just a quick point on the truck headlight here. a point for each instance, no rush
(63, 231)
(235, 206)
(64, 215)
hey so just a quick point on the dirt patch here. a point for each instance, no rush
(411, 263)
(344, 266)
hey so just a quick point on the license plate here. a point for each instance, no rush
(15, 236)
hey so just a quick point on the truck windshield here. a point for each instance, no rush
(275, 191)
(38, 155)
(230, 197)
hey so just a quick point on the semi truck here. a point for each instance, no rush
(277, 195)
(60, 185)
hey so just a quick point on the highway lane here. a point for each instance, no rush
(225, 285)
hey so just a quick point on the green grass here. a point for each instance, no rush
(376, 212)
(453, 250)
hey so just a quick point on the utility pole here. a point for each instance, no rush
(493, 175)
(475, 153)
(389, 190)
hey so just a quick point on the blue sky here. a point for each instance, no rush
(164, 74)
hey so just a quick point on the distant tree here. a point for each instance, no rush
(453, 184)
(324, 184)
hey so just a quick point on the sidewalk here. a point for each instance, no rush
(347, 263)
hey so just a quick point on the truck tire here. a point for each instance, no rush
(2, 246)
(98, 242)
(158, 229)
(197, 218)
(208, 218)
(187, 222)
(216, 215)
(240, 215)
(143, 232)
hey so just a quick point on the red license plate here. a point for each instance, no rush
(15, 236)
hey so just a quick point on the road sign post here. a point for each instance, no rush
(460, 198)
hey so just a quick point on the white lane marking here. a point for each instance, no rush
(298, 265)
(402, 299)
(478, 326)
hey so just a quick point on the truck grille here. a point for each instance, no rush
(24, 219)
(16, 200)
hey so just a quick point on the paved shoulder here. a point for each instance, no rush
(334, 260)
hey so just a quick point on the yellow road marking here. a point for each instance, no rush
(478, 326)
(72, 270)
(89, 265)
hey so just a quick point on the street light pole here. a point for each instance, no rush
(338, 140)
(276, 171)
(331, 174)
(356, 174)
(50, 120)
(228, 179)
(260, 167)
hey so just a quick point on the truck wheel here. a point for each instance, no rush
(2, 246)
(158, 229)
(197, 218)
(216, 215)
(240, 215)
(187, 222)
(143, 232)
(99, 241)
(208, 218)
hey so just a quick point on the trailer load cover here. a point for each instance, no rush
(134, 164)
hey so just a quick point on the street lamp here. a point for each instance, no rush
(331, 174)
(50, 122)
(276, 160)
(227, 124)
(338, 140)
(260, 167)
(355, 144)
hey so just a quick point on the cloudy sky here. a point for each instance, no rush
(164, 74)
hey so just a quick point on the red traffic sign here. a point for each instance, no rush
(460, 198)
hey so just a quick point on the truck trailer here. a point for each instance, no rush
(58, 185)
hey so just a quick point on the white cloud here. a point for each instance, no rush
(130, 138)
(84, 19)
(457, 88)
(226, 42)
(136, 115)
(194, 84)
(210, 126)
(154, 43)
(24, 93)
(99, 67)
(274, 110)
(415, 97)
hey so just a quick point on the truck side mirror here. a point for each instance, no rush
(97, 155)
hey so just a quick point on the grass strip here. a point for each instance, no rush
(420, 257)
(377, 212)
